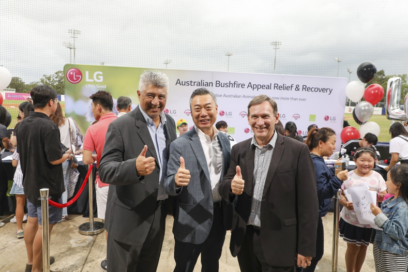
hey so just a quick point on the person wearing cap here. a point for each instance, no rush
(182, 126)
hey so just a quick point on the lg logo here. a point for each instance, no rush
(225, 113)
(171, 112)
(326, 118)
(222, 113)
(247, 130)
(187, 112)
(74, 76)
(330, 118)
(166, 111)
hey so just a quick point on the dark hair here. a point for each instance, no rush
(41, 95)
(3, 115)
(221, 124)
(397, 129)
(104, 99)
(260, 99)
(58, 117)
(123, 102)
(311, 126)
(316, 135)
(27, 109)
(279, 128)
(22, 106)
(371, 138)
(363, 150)
(292, 128)
(202, 91)
(399, 176)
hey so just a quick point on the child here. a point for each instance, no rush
(355, 234)
(391, 244)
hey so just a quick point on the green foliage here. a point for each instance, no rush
(55, 81)
(382, 79)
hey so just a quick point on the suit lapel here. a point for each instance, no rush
(144, 135)
(276, 157)
(250, 168)
(199, 152)
(221, 140)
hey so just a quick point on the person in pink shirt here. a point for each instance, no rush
(102, 104)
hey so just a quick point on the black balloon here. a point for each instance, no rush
(8, 119)
(356, 119)
(366, 71)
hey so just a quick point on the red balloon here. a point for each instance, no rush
(1, 99)
(349, 133)
(374, 93)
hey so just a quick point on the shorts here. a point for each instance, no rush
(16, 190)
(55, 214)
(353, 234)
(101, 200)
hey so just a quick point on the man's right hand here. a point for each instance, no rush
(144, 166)
(237, 184)
(182, 177)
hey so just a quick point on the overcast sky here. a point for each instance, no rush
(196, 35)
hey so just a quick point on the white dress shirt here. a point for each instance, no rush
(213, 156)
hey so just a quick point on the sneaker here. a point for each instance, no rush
(64, 218)
(104, 264)
(20, 234)
(14, 220)
(2, 224)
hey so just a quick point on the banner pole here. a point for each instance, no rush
(92, 227)
(44, 193)
(336, 216)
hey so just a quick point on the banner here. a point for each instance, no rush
(304, 100)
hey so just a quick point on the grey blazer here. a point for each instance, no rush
(194, 203)
(132, 201)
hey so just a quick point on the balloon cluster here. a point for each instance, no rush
(363, 111)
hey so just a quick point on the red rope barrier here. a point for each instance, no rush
(58, 205)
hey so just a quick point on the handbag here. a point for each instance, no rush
(74, 160)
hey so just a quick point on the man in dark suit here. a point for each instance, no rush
(271, 178)
(133, 163)
(198, 161)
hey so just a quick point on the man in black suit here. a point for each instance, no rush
(134, 164)
(272, 181)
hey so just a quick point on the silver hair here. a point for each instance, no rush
(203, 91)
(156, 78)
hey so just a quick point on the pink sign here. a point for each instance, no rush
(17, 96)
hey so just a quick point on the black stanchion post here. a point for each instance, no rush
(92, 227)
(44, 193)
(336, 216)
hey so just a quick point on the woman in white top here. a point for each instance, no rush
(398, 145)
(68, 135)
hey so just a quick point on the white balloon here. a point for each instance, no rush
(5, 78)
(355, 90)
(370, 127)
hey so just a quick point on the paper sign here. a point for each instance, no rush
(362, 199)
(348, 196)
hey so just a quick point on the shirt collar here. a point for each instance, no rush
(38, 114)
(204, 136)
(149, 121)
(391, 203)
(107, 115)
(271, 143)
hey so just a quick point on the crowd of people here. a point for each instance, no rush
(271, 190)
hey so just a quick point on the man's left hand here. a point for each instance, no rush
(303, 261)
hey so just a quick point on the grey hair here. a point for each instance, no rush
(156, 78)
(123, 102)
(202, 91)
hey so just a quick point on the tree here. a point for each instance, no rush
(18, 84)
(55, 81)
(381, 79)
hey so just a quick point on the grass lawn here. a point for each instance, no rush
(381, 120)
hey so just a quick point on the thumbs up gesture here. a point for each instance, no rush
(182, 177)
(237, 184)
(144, 166)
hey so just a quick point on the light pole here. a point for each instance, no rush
(338, 64)
(229, 54)
(349, 71)
(70, 47)
(275, 47)
(74, 33)
(167, 62)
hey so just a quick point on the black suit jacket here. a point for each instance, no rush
(289, 208)
(132, 201)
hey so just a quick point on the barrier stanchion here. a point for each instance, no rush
(336, 216)
(92, 227)
(44, 193)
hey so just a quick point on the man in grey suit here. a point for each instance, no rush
(133, 162)
(198, 161)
